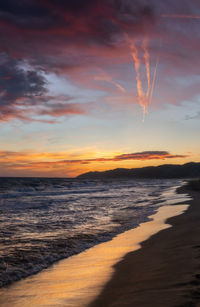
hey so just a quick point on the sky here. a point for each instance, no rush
(98, 84)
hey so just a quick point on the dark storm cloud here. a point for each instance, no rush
(86, 20)
(61, 36)
(69, 33)
(56, 35)
(75, 6)
(25, 14)
(16, 82)
(71, 9)
(51, 25)
(23, 94)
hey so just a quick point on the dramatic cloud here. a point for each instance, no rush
(93, 20)
(17, 84)
(107, 61)
(30, 163)
(76, 39)
(145, 155)
(28, 160)
(148, 155)
(23, 94)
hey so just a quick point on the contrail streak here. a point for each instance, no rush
(137, 63)
(107, 78)
(143, 97)
(153, 82)
(121, 88)
(180, 16)
(147, 62)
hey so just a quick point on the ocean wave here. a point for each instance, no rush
(45, 220)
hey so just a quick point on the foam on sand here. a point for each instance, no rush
(77, 280)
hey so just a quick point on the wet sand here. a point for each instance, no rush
(165, 271)
(76, 281)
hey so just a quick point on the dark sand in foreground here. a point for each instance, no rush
(165, 271)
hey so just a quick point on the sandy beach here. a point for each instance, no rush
(78, 280)
(165, 271)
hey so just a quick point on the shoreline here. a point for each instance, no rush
(72, 282)
(165, 271)
(26, 250)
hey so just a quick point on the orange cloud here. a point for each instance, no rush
(41, 160)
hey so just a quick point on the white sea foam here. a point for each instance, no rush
(44, 220)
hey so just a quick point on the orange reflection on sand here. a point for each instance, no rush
(76, 281)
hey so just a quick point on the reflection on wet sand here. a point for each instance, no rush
(76, 281)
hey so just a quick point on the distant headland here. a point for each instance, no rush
(188, 170)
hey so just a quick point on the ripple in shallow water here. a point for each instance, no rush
(44, 220)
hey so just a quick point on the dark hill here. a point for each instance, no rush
(188, 170)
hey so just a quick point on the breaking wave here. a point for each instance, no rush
(45, 220)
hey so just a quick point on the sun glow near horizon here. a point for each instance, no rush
(79, 76)
(63, 164)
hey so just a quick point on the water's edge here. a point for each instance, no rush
(76, 281)
(42, 234)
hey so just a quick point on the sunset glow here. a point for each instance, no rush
(93, 85)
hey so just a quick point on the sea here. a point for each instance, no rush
(43, 220)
